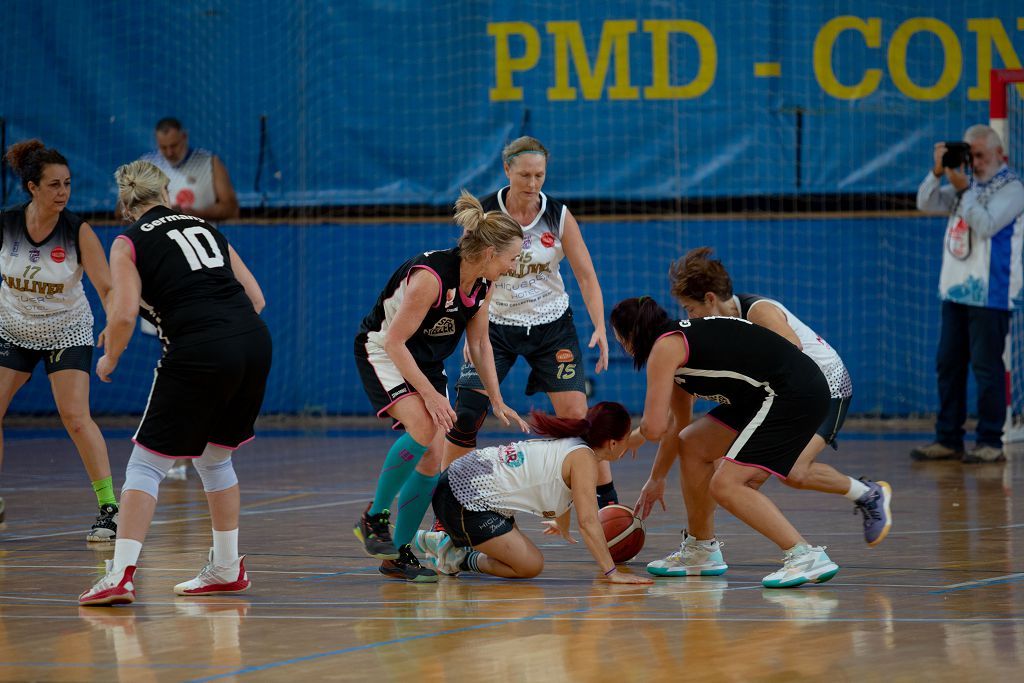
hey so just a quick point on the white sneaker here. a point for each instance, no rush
(441, 551)
(803, 564)
(694, 558)
(213, 579)
(178, 473)
(115, 588)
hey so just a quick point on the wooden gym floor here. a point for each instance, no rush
(941, 599)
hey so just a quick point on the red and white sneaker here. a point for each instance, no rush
(115, 588)
(213, 579)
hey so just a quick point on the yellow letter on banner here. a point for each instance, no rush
(952, 56)
(991, 32)
(661, 87)
(614, 38)
(823, 44)
(505, 64)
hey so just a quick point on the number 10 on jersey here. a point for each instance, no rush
(198, 252)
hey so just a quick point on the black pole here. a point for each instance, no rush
(524, 125)
(799, 147)
(259, 161)
(3, 166)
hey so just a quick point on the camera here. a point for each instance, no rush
(957, 154)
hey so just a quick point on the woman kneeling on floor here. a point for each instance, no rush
(478, 495)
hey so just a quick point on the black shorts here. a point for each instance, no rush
(208, 393)
(551, 349)
(384, 384)
(467, 527)
(772, 434)
(20, 359)
(834, 420)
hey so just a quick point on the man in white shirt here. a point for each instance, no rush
(200, 185)
(981, 275)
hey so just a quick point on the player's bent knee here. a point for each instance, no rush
(470, 410)
(216, 469)
(145, 471)
(531, 568)
(720, 488)
(797, 478)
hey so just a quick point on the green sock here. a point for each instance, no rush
(398, 465)
(104, 489)
(413, 502)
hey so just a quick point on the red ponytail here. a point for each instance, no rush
(605, 421)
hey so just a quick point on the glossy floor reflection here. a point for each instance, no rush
(942, 598)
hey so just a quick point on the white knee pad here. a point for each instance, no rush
(215, 469)
(145, 471)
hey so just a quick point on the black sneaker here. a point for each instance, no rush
(374, 532)
(104, 530)
(407, 567)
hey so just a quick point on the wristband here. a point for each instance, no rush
(610, 571)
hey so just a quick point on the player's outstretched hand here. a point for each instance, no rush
(625, 577)
(652, 492)
(551, 528)
(508, 416)
(600, 340)
(440, 410)
(105, 367)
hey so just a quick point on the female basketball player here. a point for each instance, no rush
(479, 494)
(530, 313)
(44, 315)
(416, 323)
(772, 399)
(704, 288)
(209, 382)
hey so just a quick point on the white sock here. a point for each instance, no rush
(126, 553)
(225, 547)
(857, 489)
(703, 542)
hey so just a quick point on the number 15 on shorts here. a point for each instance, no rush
(566, 371)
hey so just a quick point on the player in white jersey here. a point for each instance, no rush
(530, 314)
(199, 186)
(44, 315)
(479, 495)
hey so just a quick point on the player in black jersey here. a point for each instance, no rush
(703, 287)
(771, 397)
(400, 349)
(209, 385)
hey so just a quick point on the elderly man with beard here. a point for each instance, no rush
(980, 277)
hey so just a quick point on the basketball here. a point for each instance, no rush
(624, 532)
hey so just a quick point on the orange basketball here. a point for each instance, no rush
(624, 532)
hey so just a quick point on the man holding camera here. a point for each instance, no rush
(981, 275)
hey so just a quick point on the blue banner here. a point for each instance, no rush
(405, 102)
(868, 286)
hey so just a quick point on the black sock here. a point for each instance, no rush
(606, 494)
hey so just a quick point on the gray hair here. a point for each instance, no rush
(981, 131)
